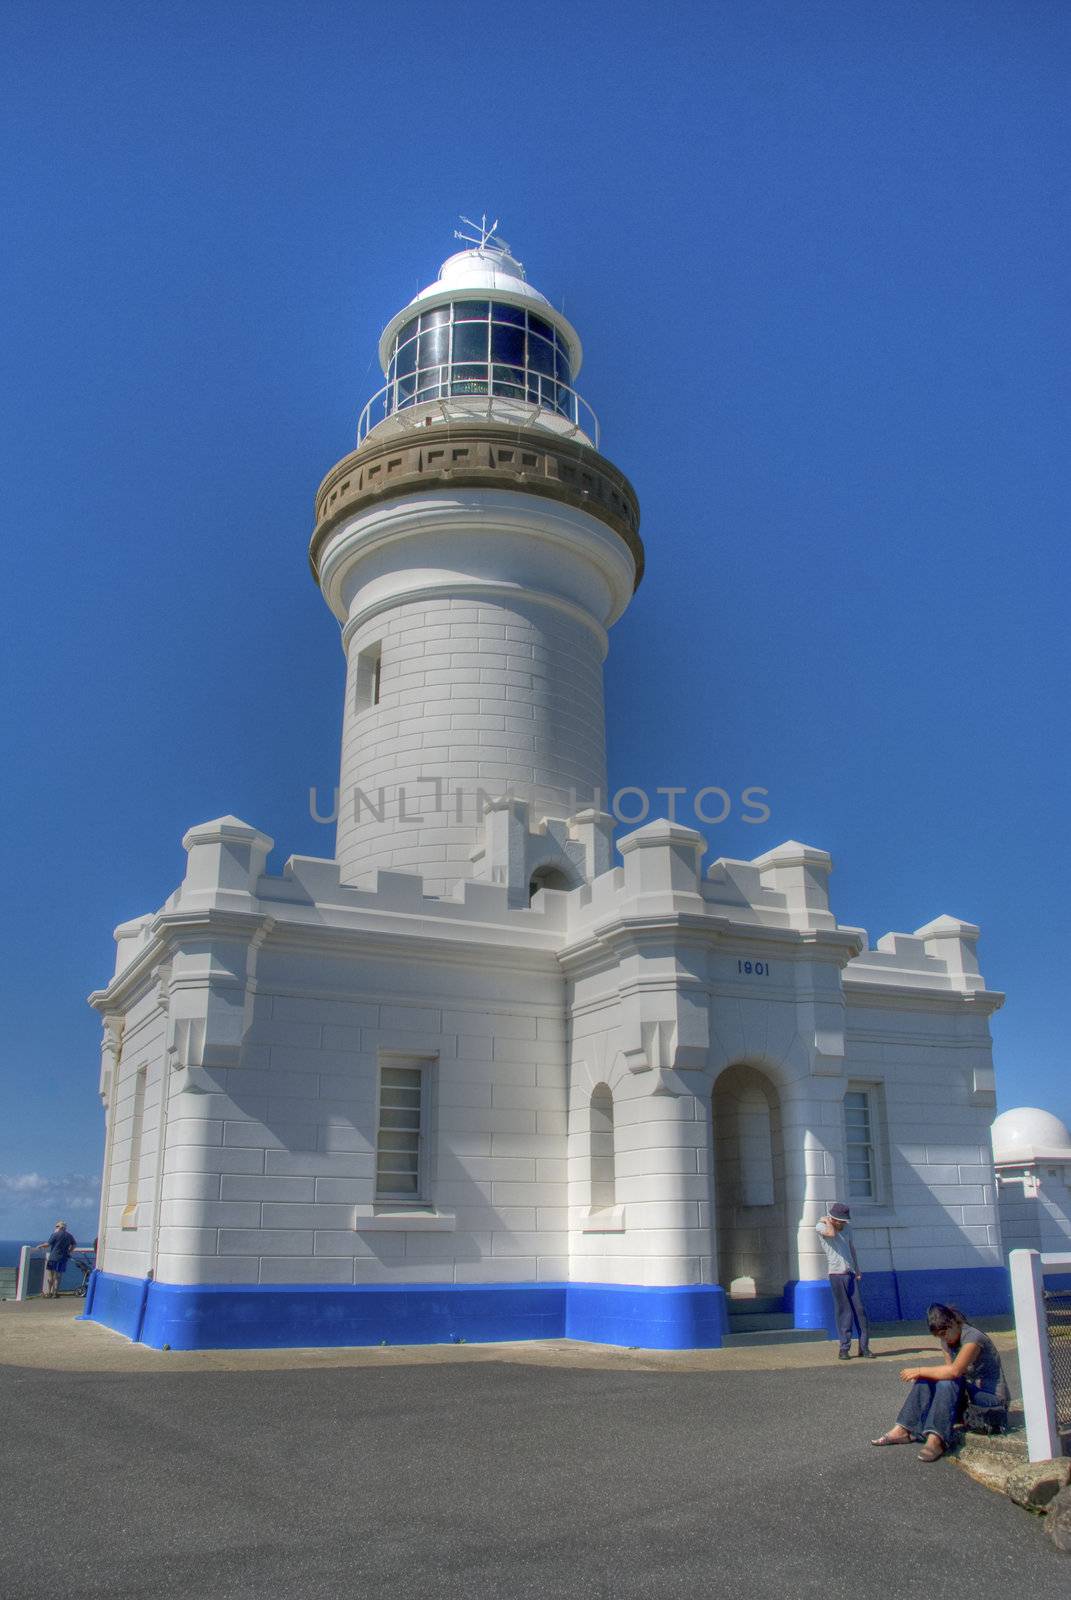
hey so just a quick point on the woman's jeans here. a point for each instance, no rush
(936, 1407)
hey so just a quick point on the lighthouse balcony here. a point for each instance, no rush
(479, 391)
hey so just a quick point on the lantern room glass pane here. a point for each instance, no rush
(480, 347)
(509, 381)
(470, 342)
(507, 344)
(469, 380)
(548, 394)
(540, 356)
(434, 347)
(472, 310)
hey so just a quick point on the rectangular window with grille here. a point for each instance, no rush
(859, 1145)
(402, 1133)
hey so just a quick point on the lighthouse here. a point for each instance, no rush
(476, 548)
(489, 1072)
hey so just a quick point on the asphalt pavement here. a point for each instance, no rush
(486, 1479)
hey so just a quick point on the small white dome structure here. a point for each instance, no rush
(1029, 1134)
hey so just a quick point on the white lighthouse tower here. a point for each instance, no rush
(475, 548)
(474, 1078)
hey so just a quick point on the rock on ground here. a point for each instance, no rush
(1036, 1483)
(1058, 1520)
(994, 1458)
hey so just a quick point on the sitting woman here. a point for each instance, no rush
(971, 1371)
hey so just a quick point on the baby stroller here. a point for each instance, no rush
(85, 1266)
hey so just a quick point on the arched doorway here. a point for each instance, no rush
(749, 1173)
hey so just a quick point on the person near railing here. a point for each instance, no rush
(59, 1245)
(971, 1371)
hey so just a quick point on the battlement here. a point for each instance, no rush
(548, 887)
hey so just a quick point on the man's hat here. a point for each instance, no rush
(839, 1213)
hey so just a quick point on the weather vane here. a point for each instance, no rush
(486, 235)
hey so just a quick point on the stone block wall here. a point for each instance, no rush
(270, 1167)
(936, 1204)
(473, 697)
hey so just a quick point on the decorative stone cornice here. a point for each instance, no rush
(604, 943)
(904, 995)
(481, 455)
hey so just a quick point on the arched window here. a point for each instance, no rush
(601, 1136)
(547, 878)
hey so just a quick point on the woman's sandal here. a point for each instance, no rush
(887, 1438)
(931, 1454)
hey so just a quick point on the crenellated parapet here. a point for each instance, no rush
(546, 886)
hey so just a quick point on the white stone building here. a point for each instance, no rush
(1032, 1155)
(471, 1079)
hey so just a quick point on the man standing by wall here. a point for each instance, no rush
(844, 1275)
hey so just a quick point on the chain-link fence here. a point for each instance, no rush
(1058, 1330)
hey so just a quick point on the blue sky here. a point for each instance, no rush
(815, 253)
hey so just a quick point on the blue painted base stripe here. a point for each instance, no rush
(116, 1302)
(287, 1316)
(905, 1296)
(651, 1319)
(236, 1317)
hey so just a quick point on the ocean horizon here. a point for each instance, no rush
(9, 1251)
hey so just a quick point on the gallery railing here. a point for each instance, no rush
(472, 380)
